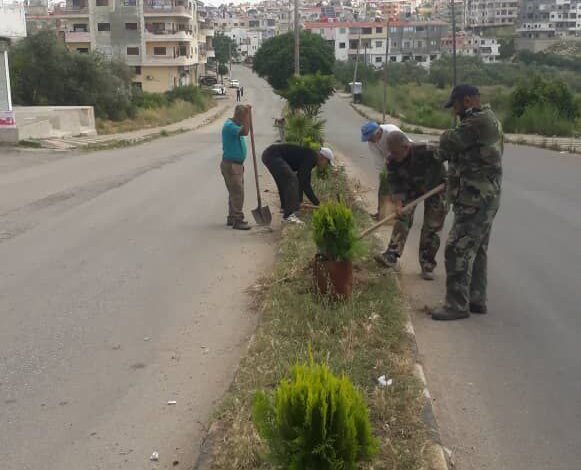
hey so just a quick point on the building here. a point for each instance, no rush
(417, 41)
(442, 10)
(543, 23)
(470, 44)
(158, 38)
(483, 14)
(350, 39)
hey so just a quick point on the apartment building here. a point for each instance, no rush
(349, 39)
(470, 44)
(417, 41)
(442, 10)
(158, 38)
(543, 23)
(483, 14)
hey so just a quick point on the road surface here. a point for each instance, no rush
(507, 386)
(121, 289)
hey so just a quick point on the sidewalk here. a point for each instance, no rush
(562, 144)
(133, 137)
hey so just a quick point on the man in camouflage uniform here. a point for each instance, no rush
(412, 170)
(474, 152)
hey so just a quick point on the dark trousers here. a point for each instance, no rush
(287, 183)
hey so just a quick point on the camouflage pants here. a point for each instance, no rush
(467, 255)
(435, 211)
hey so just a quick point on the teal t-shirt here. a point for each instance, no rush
(233, 144)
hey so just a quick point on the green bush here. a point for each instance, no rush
(145, 100)
(551, 93)
(541, 119)
(189, 93)
(315, 421)
(334, 232)
(308, 93)
(304, 130)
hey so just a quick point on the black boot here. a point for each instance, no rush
(446, 314)
(477, 308)
(241, 225)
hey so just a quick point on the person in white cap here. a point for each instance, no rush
(291, 165)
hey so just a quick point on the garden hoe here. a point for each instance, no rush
(261, 214)
(407, 208)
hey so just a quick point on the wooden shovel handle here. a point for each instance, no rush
(407, 208)
(254, 158)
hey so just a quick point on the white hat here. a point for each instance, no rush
(328, 154)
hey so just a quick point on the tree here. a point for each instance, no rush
(507, 48)
(45, 72)
(308, 93)
(552, 93)
(225, 48)
(274, 60)
(222, 70)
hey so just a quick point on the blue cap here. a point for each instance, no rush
(367, 130)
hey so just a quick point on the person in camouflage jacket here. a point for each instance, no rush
(412, 170)
(474, 152)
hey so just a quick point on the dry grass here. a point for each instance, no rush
(363, 337)
(147, 118)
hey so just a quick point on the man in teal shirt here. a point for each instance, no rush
(232, 166)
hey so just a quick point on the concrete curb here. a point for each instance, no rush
(437, 452)
(558, 144)
(105, 142)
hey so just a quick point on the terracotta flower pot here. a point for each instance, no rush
(333, 278)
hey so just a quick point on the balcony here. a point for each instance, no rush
(167, 8)
(72, 10)
(77, 36)
(168, 35)
(161, 60)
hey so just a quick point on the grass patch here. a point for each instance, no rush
(422, 105)
(146, 118)
(29, 143)
(363, 338)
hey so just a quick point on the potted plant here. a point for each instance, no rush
(336, 238)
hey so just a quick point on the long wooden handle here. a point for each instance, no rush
(254, 159)
(407, 208)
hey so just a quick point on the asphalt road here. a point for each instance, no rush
(506, 386)
(121, 289)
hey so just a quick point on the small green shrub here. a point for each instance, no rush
(335, 233)
(315, 420)
(304, 130)
(540, 119)
(145, 100)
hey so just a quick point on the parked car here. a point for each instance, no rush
(234, 84)
(208, 80)
(219, 90)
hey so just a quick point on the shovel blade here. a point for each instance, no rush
(262, 215)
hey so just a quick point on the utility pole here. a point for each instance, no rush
(230, 55)
(356, 65)
(454, 73)
(297, 40)
(385, 69)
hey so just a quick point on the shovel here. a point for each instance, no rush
(261, 214)
(407, 208)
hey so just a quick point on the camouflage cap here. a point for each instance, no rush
(460, 92)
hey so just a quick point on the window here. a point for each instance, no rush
(130, 3)
(159, 51)
(366, 30)
(131, 26)
(378, 60)
(137, 70)
(379, 30)
(378, 43)
(102, 3)
(81, 28)
(103, 26)
(83, 50)
(342, 30)
(137, 85)
(341, 45)
(133, 51)
(406, 45)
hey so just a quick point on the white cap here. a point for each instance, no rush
(328, 154)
